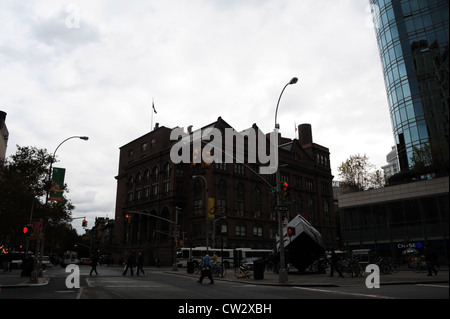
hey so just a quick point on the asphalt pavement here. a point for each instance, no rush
(13, 279)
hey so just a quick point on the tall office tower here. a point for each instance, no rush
(413, 41)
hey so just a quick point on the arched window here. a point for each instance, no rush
(146, 178)
(166, 171)
(138, 178)
(155, 174)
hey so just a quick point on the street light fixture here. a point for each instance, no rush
(292, 81)
(283, 276)
(34, 274)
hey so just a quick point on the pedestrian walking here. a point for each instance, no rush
(94, 262)
(430, 260)
(334, 264)
(206, 269)
(130, 263)
(140, 262)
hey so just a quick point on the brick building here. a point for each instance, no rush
(150, 184)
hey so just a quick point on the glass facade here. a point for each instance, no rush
(413, 37)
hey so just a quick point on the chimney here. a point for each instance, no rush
(2, 118)
(305, 134)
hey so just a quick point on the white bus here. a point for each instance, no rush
(253, 253)
(228, 256)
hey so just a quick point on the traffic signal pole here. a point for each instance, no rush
(176, 234)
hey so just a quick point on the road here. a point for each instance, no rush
(160, 284)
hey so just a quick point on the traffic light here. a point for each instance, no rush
(286, 193)
(290, 231)
(27, 230)
(84, 223)
(196, 157)
(128, 218)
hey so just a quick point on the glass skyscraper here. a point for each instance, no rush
(413, 41)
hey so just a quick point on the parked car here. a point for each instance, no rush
(46, 262)
(85, 261)
(249, 262)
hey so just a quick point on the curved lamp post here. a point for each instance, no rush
(34, 274)
(283, 276)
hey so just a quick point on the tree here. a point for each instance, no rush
(23, 186)
(359, 174)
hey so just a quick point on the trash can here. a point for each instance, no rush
(258, 269)
(190, 267)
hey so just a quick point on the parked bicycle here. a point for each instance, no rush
(244, 271)
(218, 270)
(420, 265)
(350, 267)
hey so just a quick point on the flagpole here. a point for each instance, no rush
(151, 128)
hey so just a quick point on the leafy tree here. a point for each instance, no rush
(23, 186)
(359, 174)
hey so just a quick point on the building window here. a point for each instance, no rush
(221, 202)
(166, 171)
(129, 197)
(130, 182)
(239, 169)
(198, 207)
(155, 173)
(146, 176)
(309, 184)
(166, 188)
(257, 203)
(154, 191)
(257, 231)
(144, 147)
(273, 232)
(138, 178)
(297, 181)
(130, 153)
(152, 143)
(179, 169)
(326, 210)
(311, 217)
(325, 188)
(240, 200)
(240, 230)
(221, 166)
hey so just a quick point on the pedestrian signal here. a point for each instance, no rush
(290, 231)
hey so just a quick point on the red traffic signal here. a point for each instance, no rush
(290, 231)
(27, 229)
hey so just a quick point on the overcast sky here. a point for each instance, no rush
(93, 67)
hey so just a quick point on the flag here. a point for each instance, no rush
(211, 208)
(57, 187)
(153, 106)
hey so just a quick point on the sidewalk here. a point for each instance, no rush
(323, 280)
(12, 279)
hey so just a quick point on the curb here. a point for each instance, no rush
(315, 284)
(42, 281)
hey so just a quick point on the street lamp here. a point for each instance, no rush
(283, 276)
(34, 274)
(206, 208)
